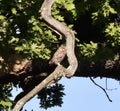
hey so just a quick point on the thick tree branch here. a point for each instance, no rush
(59, 71)
(85, 69)
(63, 30)
(56, 75)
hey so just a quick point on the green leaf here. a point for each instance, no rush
(2, 17)
(14, 11)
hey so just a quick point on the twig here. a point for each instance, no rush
(107, 86)
(101, 88)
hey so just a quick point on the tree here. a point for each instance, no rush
(34, 45)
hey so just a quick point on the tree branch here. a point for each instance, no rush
(58, 56)
(63, 30)
(101, 88)
(59, 71)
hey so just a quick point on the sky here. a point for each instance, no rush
(83, 95)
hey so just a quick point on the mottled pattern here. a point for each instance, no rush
(58, 56)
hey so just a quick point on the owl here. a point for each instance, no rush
(58, 56)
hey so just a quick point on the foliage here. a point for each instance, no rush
(113, 34)
(23, 31)
(88, 50)
(103, 19)
(51, 96)
(96, 24)
(5, 94)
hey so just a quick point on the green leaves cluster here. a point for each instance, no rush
(113, 34)
(22, 30)
(67, 5)
(105, 9)
(88, 50)
(5, 94)
(102, 16)
(51, 96)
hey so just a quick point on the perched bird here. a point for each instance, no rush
(58, 56)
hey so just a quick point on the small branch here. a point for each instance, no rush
(101, 88)
(107, 86)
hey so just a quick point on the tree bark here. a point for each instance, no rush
(63, 30)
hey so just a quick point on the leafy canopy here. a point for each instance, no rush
(22, 30)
